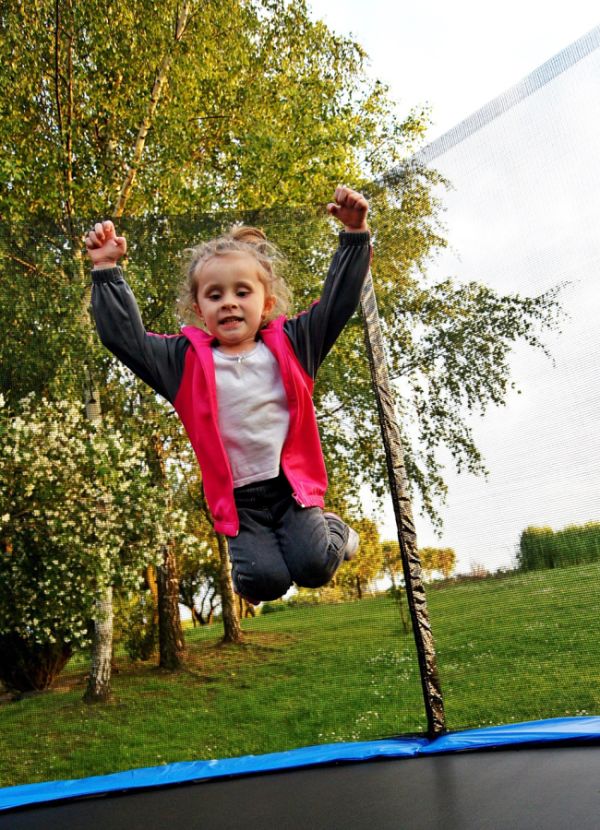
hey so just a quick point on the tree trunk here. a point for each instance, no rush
(232, 632)
(152, 583)
(407, 537)
(98, 685)
(397, 594)
(245, 609)
(170, 633)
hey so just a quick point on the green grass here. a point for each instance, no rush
(517, 648)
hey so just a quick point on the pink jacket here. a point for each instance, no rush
(196, 404)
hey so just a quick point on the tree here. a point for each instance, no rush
(52, 93)
(170, 633)
(392, 568)
(447, 346)
(442, 560)
(57, 471)
(356, 576)
(198, 567)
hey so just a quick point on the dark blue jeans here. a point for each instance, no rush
(280, 542)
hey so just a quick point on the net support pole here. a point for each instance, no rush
(407, 537)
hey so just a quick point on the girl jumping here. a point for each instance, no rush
(241, 378)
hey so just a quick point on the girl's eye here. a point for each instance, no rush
(243, 293)
(213, 296)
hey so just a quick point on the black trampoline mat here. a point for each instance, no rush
(545, 788)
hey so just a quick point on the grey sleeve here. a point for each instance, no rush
(314, 332)
(158, 360)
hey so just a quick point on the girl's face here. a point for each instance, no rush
(231, 300)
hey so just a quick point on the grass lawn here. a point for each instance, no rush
(511, 649)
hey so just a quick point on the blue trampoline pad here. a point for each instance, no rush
(448, 774)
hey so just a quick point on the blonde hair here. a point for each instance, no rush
(239, 239)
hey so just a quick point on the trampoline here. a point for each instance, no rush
(533, 774)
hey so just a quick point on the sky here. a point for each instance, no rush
(456, 56)
(526, 221)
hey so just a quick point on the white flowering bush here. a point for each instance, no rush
(77, 512)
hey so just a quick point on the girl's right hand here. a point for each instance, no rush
(351, 208)
(103, 245)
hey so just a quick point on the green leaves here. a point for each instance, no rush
(78, 511)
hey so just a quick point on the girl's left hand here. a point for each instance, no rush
(351, 208)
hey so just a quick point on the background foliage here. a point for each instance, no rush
(542, 547)
(178, 119)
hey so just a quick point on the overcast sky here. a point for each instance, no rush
(522, 217)
(456, 55)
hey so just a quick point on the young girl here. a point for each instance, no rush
(242, 387)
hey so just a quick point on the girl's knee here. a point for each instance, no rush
(262, 586)
(316, 571)
(313, 581)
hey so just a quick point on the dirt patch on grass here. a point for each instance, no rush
(204, 661)
(211, 659)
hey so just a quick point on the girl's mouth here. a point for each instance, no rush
(230, 322)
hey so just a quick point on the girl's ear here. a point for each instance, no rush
(269, 305)
(196, 308)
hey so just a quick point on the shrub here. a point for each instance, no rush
(136, 625)
(77, 513)
(541, 547)
(273, 607)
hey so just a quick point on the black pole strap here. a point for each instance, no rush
(407, 537)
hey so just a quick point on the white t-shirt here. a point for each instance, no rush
(253, 412)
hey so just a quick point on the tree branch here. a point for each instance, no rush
(155, 96)
(65, 130)
(57, 65)
(31, 267)
(330, 413)
(69, 137)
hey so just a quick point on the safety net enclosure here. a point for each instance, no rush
(487, 336)
(522, 217)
